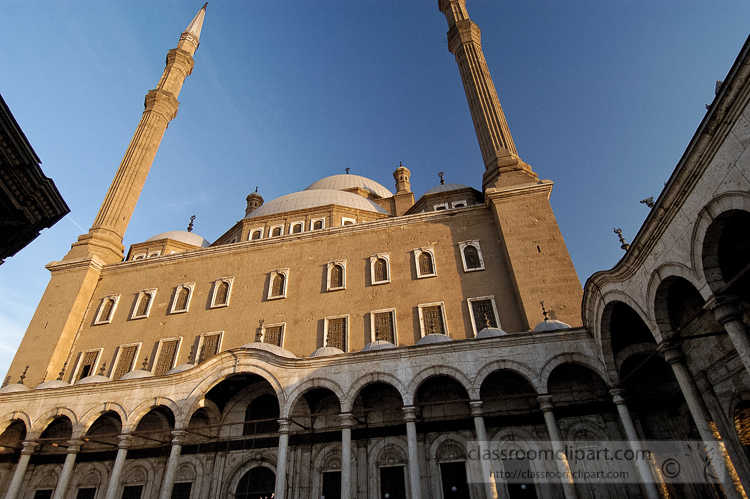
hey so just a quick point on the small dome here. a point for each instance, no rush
(346, 181)
(269, 347)
(446, 188)
(490, 332)
(326, 351)
(96, 378)
(14, 388)
(314, 198)
(378, 345)
(180, 368)
(138, 373)
(550, 325)
(431, 338)
(183, 236)
(55, 383)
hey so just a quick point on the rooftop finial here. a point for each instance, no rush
(442, 180)
(256, 188)
(190, 225)
(103, 368)
(347, 170)
(487, 324)
(23, 376)
(259, 334)
(544, 311)
(623, 244)
(62, 371)
(191, 355)
(145, 363)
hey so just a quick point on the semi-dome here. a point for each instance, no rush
(550, 325)
(94, 378)
(138, 373)
(314, 198)
(270, 347)
(378, 345)
(180, 368)
(446, 188)
(326, 351)
(14, 388)
(432, 338)
(346, 181)
(490, 332)
(55, 383)
(183, 236)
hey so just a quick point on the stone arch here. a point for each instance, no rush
(726, 202)
(622, 326)
(265, 459)
(666, 310)
(147, 406)
(90, 416)
(307, 385)
(6, 420)
(627, 352)
(140, 472)
(432, 371)
(603, 334)
(506, 365)
(375, 377)
(46, 477)
(572, 358)
(45, 419)
(211, 409)
(93, 474)
(388, 451)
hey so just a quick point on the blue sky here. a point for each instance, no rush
(601, 97)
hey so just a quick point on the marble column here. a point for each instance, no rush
(346, 455)
(410, 416)
(174, 459)
(115, 476)
(727, 311)
(20, 473)
(74, 447)
(569, 488)
(720, 460)
(281, 459)
(648, 484)
(476, 412)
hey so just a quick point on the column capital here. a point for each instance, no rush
(725, 308)
(178, 436)
(284, 425)
(673, 353)
(28, 447)
(618, 395)
(545, 402)
(476, 408)
(74, 445)
(125, 441)
(347, 420)
(410, 413)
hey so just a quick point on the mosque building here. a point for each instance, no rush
(352, 340)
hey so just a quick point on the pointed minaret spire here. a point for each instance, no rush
(498, 150)
(104, 238)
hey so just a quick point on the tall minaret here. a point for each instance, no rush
(50, 337)
(104, 238)
(498, 150)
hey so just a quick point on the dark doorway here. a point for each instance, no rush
(332, 484)
(522, 487)
(258, 483)
(453, 476)
(392, 484)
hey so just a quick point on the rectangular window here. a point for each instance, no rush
(432, 318)
(392, 482)
(424, 258)
(182, 490)
(107, 309)
(380, 272)
(222, 292)
(383, 325)
(209, 346)
(166, 356)
(87, 493)
(336, 333)
(182, 297)
(273, 334)
(143, 303)
(331, 484)
(43, 494)
(483, 311)
(125, 360)
(132, 492)
(87, 363)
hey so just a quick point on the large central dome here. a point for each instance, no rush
(346, 181)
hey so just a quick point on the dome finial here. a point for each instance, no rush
(623, 245)
(544, 311)
(190, 225)
(23, 376)
(103, 368)
(145, 363)
(347, 170)
(442, 180)
(62, 371)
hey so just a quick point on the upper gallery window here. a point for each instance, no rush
(337, 332)
(380, 271)
(483, 312)
(125, 360)
(256, 234)
(440, 207)
(182, 296)
(348, 221)
(209, 345)
(336, 278)
(273, 334)
(166, 354)
(471, 255)
(383, 325)
(143, 303)
(297, 227)
(222, 292)
(107, 309)
(87, 363)
(277, 231)
(458, 204)
(278, 284)
(425, 262)
(317, 224)
(432, 318)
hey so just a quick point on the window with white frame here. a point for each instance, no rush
(317, 223)
(424, 258)
(106, 309)
(166, 355)
(336, 275)
(458, 204)
(277, 284)
(348, 221)
(432, 318)
(125, 360)
(222, 292)
(336, 332)
(440, 206)
(471, 255)
(87, 363)
(276, 231)
(255, 234)
(139, 256)
(383, 325)
(143, 303)
(273, 334)
(154, 254)
(209, 345)
(380, 268)
(183, 294)
(296, 227)
(483, 312)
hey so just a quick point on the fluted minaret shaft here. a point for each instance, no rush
(106, 234)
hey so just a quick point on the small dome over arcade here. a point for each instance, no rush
(137, 374)
(14, 388)
(271, 348)
(181, 368)
(432, 338)
(326, 351)
(378, 345)
(490, 332)
(549, 324)
(95, 378)
(55, 383)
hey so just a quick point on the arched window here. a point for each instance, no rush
(182, 299)
(258, 482)
(256, 235)
(143, 305)
(297, 228)
(106, 313)
(222, 293)
(318, 224)
(337, 276)
(425, 263)
(381, 270)
(471, 256)
(276, 232)
(277, 286)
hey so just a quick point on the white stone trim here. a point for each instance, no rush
(313, 220)
(76, 372)
(113, 367)
(98, 319)
(473, 242)
(152, 293)
(139, 256)
(325, 329)
(440, 206)
(274, 273)
(253, 230)
(430, 251)
(155, 360)
(373, 259)
(329, 267)
(421, 316)
(348, 219)
(180, 287)
(154, 254)
(393, 318)
(277, 324)
(301, 223)
(229, 280)
(461, 202)
(273, 227)
(469, 302)
(202, 337)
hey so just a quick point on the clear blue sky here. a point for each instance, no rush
(601, 97)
